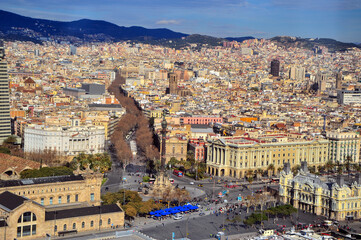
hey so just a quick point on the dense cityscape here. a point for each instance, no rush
(129, 140)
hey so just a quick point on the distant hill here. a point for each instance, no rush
(195, 41)
(310, 43)
(85, 29)
(239, 39)
(17, 27)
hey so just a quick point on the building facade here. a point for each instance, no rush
(348, 97)
(201, 119)
(332, 198)
(64, 140)
(5, 122)
(234, 156)
(176, 146)
(34, 208)
(343, 145)
(275, 68)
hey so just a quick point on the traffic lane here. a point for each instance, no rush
(198, 227)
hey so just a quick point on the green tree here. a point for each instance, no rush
(255, 218)
(271, 169)
(46, 172)
(173, 161)
(130, 211)
(329, 166)
(5, 150)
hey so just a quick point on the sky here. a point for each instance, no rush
(337, 19)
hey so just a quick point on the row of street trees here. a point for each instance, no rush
(133, 119)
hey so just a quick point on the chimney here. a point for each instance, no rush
(340, 180)
(287, 167)
(304, 167)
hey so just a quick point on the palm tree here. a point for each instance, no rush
(249, 173)
(271, 168)
(329, 166)
(259, 173)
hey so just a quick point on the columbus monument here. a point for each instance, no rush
(162, 185)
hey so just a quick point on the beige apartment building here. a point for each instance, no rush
(343, 145)
(234, 156)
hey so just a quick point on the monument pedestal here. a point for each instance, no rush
(162, 186)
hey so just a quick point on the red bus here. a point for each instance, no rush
(178, 173)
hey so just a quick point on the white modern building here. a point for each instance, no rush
(348, 97)
(64, 140)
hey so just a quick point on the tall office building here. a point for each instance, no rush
(5, 125)
(297, 73)
(339, 81)
(275, 68)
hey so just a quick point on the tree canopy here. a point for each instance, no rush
(46, 172)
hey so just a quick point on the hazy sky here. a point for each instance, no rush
(338, 19)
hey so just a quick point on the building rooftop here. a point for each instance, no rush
(10, 200)
(79, 212)
(42, 180)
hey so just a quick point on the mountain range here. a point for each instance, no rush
(16, 27)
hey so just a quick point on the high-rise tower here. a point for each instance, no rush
(5, 125)
(275, 68)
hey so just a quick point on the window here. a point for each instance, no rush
(68, 198)
(76, 197)
(55, 228)
(100, 222)
(59, 199)
(28, 226)
(64, 227)
(109, 221)
(51, 200)
(42, 201)
(74, 225)
(83, 225)
(92, 197)
(92, 223)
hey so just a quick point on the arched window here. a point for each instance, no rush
(27, 224)
(74, 225)
(55, 228)
(64, 227)
(91, 223)
(109, 221)
(83, 225)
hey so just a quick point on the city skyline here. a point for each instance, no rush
(337, 19)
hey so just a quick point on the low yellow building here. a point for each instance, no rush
(333, 198)
(234, 156)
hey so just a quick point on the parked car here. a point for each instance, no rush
(177, 217)
(191, 183)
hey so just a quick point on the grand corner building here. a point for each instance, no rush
(5, 126)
